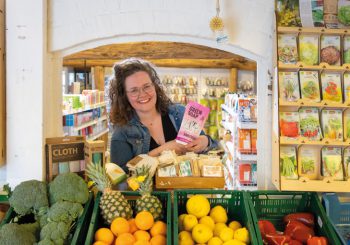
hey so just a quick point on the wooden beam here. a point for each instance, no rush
(233, 80)
(99, 77)
(181, 63)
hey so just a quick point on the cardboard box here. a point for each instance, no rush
(60, 151)
(95, 151)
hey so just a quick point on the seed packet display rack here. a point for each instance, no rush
(326, 184)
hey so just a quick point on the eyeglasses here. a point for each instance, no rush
(148, 89)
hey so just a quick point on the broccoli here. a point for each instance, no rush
(57, 232)
(28, 197)
(43, 220)
(46, 242)
(65, 211)
(33, 228)
(68, 187)
(14, 234)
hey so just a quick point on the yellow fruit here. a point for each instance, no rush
(215, 241)
(119, 226)
(99, 243)
(218, 227)
(198, 205)
(142, 235)
(142, 242)
(125, 239)
(159, 228)
(226, 234)
(234, 225)
(158, 240)
(104, 235)
(242, 235)
(201, 233)
(144, 220)
(181, 220)
(207, 220)
(189, 222)
(233, 242)
(218, 214)
(185, 238)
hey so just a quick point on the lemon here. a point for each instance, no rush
(242, 235)
(218, 214)
(189, 222)
(201, 233)
(198, 205)
(218, 227)
(233, 242)
(181, 220)
(234, 225)
(226, 234)
(185, 238)
(215, 241)
(207, 220)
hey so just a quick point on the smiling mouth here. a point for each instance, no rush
(144, 101)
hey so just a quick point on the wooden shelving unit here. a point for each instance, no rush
(325, 184)
(2, 85)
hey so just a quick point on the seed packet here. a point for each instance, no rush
(347, 124)
(346, 160)
(244, 114)
(330, 49)
(308, 49)
(309, 86)
(288, 162)
(308, 161)
(343, 13)
(192, 122)
(244, 141)
(253, 138)
(310, 123)
(346, 48)
(346, 87)
(332, 124)
(311, 13)
(288, 13)
(331, 87)
(287, 48)
(289, 124)
(332, 163)
(289, 86)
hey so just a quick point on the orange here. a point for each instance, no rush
(132, 226)
(99, 243)
(119, 226)
(144, 220)
(142, 242)
(159, 228)
(158, 240)
(142, 235)
(125, 239)
(104, 235)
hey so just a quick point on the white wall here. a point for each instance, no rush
(75, 25)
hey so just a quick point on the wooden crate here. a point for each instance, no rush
(189, 182)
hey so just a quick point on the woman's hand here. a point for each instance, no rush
(198, 145)
(170, 145)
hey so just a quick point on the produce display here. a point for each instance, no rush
(46, 214)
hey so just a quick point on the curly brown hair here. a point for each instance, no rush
(121, 110)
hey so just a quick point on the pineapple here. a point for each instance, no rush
(112, 203)
(147, 202)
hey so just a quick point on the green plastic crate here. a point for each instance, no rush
(97, 221)
(233, 201)
(81, 225)
(274, 205)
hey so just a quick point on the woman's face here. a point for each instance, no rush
(141, 92)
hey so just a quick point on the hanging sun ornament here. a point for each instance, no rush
(217, 25)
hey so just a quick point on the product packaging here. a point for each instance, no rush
(332, 163)
(331, 87)
(309, 86)
(346, 49)
(311, 13)
(309, 49)
(346, 87)
(287, 49)
(330, 49)
(309, 161)
(332, 124)
(346, 160)
(310, 123)
(289, 86)
(346, 118)
(289, 125)
(288, 162)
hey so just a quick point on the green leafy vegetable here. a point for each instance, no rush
(344, 15)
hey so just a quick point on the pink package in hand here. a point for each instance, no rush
(192, 122)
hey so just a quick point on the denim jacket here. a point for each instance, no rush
(134, 138)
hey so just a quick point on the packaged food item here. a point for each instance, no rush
(310, 123)
(332, 163)
(289, 86)
(288, 162)
(347, 124)
(211, 171)
(287, 48)
(115, 173)
(168, 171)
(311, 13)
(192, 123)
(244, 141)
(331, 87)
(332, 124)
(254, 173)
(244, 114)
(185, 168)
(309, 86)
(253, 137)
(288, 13)
(244, 173)
(330, 49)
(308, 49)
(344, 13)
(330, 10)
(309, 161)
(346, 160)
(289, 124)
(346, 87)
(346, 48)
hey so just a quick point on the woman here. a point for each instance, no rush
(145, 120)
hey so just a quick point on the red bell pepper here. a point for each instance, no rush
(305, 218)
(298, 231)
(317, 240)
(266, 227)
(277, 239)
(295, 242)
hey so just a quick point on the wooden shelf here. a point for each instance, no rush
(325, 185)
(321, 104)
(86, 108)
(315, 30)
(305, 141)
(320, 67)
